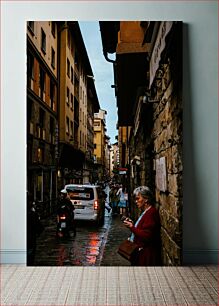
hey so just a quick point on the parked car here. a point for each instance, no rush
(88, 201)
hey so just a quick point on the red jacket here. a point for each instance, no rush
(147, 236)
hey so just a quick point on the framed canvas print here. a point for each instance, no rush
(104, 142)
(96, 205)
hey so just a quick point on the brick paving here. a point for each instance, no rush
(116, 234)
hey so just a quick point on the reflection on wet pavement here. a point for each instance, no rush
(85, 249)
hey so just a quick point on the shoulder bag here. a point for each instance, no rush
(128, 249)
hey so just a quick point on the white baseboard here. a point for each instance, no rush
(194, 257)
(13, 256)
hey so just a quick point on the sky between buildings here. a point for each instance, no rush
(103, 74)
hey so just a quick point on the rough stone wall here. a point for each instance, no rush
(167, 134)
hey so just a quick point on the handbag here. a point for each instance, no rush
(128, 249)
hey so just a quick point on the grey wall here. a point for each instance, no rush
(200, 221)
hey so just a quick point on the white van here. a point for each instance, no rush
(88, 201)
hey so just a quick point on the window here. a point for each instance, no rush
(30, 25)
(42, 82)
(41, 132)
(71, 128)
(69, 39)
(85, 99)
(68, 68)
(53, 28)
(76, 60)
(67, 96)
(30, 68)
(80, 89)
(53, 57)
(81, 193)
(41, 118)
(39, 187)
(67, 125)
(40, 154)
(52, 95)
(72, 101)
(72, 75)
(52, 129)
(43, 41)
(76, 87)
(52, 125)
(29, 109)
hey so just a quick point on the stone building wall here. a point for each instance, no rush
(167, 135)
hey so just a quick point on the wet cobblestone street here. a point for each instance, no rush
(116, 234)
(92, 245)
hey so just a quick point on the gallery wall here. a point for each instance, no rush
(200, 100)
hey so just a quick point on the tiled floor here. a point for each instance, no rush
(21, 285)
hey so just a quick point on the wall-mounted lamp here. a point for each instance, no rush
(136, 160)
(91, 77)
(146, 99)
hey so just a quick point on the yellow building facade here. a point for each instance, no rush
(99, 142)
(75, 71)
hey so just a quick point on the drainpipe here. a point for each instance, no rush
(60, 27)
(107, 58)
(105, 53)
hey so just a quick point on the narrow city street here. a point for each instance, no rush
(92, 245)
(92, 126)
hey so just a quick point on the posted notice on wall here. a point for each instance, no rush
(161, 174)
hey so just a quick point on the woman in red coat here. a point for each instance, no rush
(146, 231)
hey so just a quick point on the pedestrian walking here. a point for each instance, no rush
(122, 202)
(146, 231)
(114, 199)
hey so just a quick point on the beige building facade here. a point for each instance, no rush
(99, 143)
(114, 158)
(61, 102)
(78, 101)
(42, 112)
